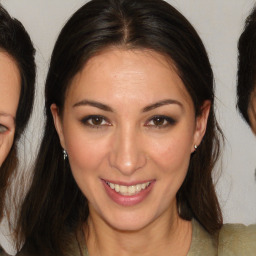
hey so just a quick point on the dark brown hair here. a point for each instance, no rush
(15, 41)
(54, 206)
(246, 75)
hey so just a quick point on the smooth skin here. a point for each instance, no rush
(127, 119)
(252, 110)
(9, 99)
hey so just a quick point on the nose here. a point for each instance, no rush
(127, 154)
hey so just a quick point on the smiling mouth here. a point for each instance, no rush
(128, 190)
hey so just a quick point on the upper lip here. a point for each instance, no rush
(128, 183)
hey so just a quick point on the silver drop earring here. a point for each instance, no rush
(65, 155)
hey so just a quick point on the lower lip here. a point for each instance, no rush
(128, 200)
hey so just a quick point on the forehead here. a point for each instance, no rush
(120, 74)
(9, 84)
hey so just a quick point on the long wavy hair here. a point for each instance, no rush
(15, 41)
(54, 207)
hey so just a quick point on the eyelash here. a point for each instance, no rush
(3, 129)
(86, 121)
(167, 121)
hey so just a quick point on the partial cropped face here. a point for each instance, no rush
(9, 99)
(129, 129)
(252, 110)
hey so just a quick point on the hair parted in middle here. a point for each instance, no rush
(54, 206)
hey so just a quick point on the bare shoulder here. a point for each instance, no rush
(237, 239)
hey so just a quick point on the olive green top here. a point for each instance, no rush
(233, 239)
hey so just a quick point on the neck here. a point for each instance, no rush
(167, 235)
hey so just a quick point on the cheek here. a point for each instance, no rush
(85, 153)
(6, 142)
(171, 158)
(172, 152)
(86, 156)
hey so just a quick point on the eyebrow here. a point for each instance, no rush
(93, 104)
(162, 103)
(104, 107)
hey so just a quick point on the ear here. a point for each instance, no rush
(58, 124)
(201, 124)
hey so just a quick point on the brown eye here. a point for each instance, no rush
(158, 121)
(97, 120)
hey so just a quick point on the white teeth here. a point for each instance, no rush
(123, 189)
(138, 188)
(131, 189)
(117, 188)
(128, 190)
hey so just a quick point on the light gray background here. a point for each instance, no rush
(219, 23)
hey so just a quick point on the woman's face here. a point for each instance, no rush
(129, 129)
(9, 99)
(252, 110)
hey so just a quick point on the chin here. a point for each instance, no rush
(129, 221)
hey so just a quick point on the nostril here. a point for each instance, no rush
(127, 164)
